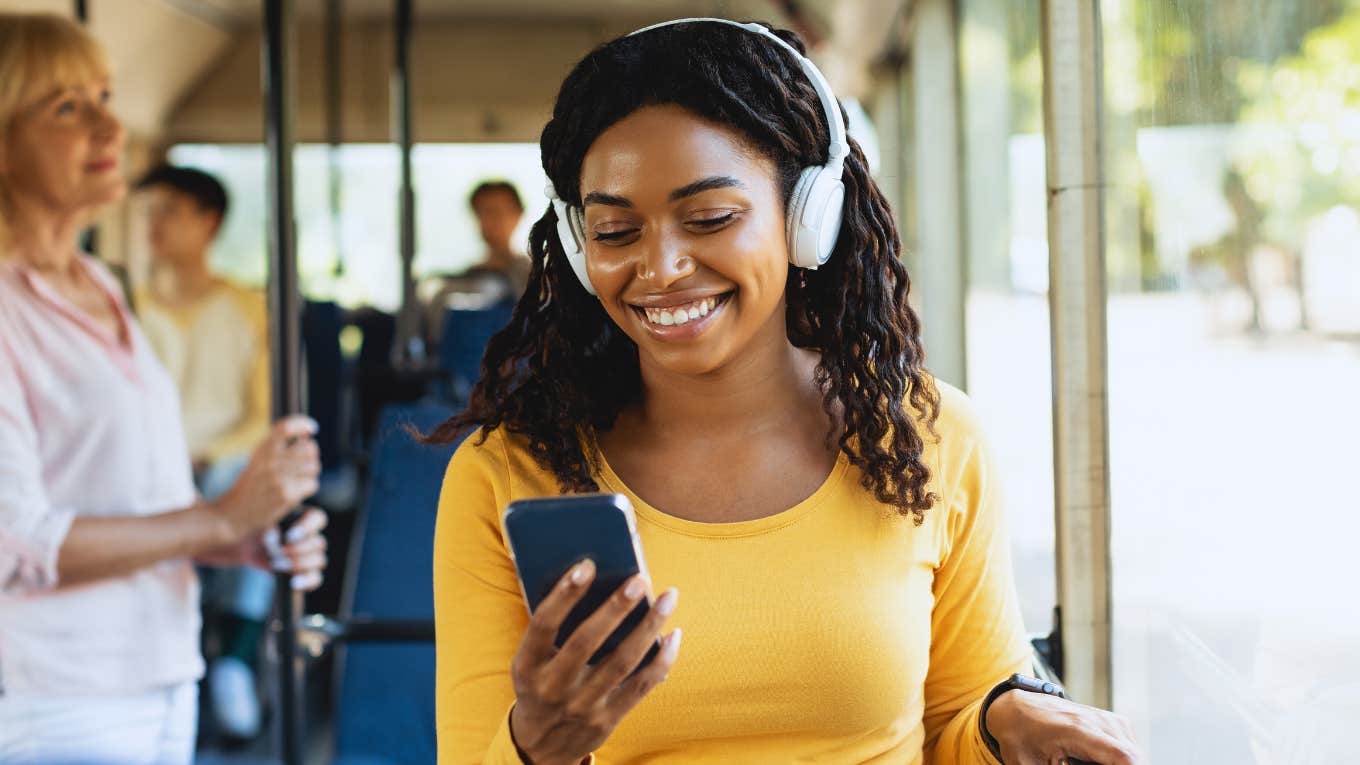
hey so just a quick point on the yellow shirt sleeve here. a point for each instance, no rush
(479, 613)
(254, 426)
(977, 635)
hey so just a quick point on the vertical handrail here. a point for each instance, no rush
(284, 344)
(334, 13)
(1073, 105)
(408, 325)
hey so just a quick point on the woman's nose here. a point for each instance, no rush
(107, 126)
(665, 261)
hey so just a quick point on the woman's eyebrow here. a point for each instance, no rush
(601, 198)
(707, 184)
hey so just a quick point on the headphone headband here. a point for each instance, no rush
(838, 148)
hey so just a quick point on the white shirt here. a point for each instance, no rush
(88, 427)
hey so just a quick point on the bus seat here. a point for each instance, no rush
(385, 701)
(328, 385)
(463, 341)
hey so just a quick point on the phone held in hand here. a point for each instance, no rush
(550, 535)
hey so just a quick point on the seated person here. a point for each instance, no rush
(501, 274)
(212, 336)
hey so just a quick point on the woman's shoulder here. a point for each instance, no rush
(501, 459)
(954, 418)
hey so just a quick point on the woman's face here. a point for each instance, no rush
(64, 150)
(685, 244)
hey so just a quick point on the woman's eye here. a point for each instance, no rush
(713, 222)
(610, 236)
(105, 97)
(66, 107)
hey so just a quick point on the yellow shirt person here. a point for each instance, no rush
(216, 349)
(835, 631)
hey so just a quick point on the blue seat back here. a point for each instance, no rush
(464, 338)
(385, 710)
(321, 325)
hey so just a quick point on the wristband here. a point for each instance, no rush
(1013, 683)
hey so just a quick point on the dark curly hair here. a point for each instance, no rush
(561, 371)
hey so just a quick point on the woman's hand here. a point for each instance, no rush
(302, 552)
(283, 471)
(1038, 729)
(564, 708)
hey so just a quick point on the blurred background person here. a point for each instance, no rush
(99, 519)
(213, 338)
(502, 273)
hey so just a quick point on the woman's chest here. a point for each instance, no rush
(823, 635)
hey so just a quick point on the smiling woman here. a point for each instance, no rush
(717, 327)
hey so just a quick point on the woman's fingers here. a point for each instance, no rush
(306, 582)
(293, 427)
(629, 654)
(539, 639)
(310, 524)
(627, 696)
(591, 634)
(1104, 749)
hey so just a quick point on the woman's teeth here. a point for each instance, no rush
(681, 314)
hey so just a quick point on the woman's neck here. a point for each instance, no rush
(44, 239)
(770, 386)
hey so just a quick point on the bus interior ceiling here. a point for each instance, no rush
(189, 71)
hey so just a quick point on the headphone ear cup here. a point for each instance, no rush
(798, 242)
(814, 217)
(571, 235)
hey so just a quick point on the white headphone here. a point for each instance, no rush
(814, 213)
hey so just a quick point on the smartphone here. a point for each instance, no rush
(550, 535)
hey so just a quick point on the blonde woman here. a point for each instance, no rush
(99, 521)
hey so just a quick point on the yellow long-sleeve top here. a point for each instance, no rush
(835, 631)
(217, 351)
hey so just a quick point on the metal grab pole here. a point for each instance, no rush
(334, 122)
(285, 346)
(408, 321)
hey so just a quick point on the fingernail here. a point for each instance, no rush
(281, 563)
(295, 534)
(581, 572)
(302, 581)
(634, 589)
(672, 646)
(666, 603)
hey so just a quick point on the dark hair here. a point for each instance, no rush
(206, 191)
(561, 370)
(486, 187)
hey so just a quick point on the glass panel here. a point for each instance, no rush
(445, 175)
(1009, 376)
(447, 236)
(1233, 131)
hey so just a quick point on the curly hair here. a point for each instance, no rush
(561, 371)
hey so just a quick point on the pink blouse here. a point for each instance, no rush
(88, 427)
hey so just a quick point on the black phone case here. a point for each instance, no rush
(550, 535)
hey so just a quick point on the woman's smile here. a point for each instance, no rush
(680, 317)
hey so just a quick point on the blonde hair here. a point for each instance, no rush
(39, 54)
